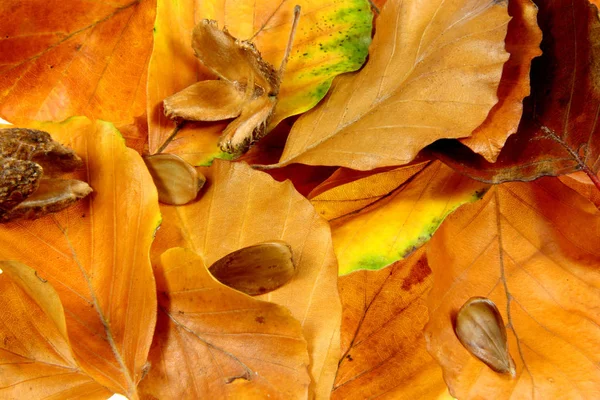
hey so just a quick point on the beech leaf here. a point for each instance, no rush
(384, 217)
(433, 73)
(382, 334)
(35, 353)
(516, 248)
(523, 43)
(215, 342)
(96, 254)
(59, 59)
(242, 207)
(558, 133)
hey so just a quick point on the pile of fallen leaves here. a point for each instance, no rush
(404, 156)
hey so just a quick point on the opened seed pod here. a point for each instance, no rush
(29, 162)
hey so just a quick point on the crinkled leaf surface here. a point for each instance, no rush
(96, 254)
(64, 58)
(532, 248)
(559, 131)
(35, 354)
(332, 38)
(215, 342)
(242, 207)
(384, 313)
(433, 73)
(382, 218)
(523, 43)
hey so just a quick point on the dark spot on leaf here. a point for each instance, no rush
(260, 320)
(418, 273)
(349, 357)
(40, 278)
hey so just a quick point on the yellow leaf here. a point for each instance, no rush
(382, 218)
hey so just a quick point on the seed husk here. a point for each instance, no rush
(177, 181)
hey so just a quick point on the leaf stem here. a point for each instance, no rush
(171, 137)
(592, 176)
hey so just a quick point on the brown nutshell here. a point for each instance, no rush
(480, 329)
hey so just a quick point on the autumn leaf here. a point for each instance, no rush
(243, 207)
(96, 255)
(215, 342)
(522, 42)
(433, 73)
(35, 354)
(559, 131)
(59, 59)
(531, 248)
(384, 313)
(583, 185)
(384, 217)
(332, 38)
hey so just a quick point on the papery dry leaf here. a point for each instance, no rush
(215, 342)
(177, 181)
(343, 175)
(256, 269)
(332, 38)
(558, 133)
(59, 59)
(382, 218)
(384, 313)
(523, 43)
(95, 254)
(433, 73)
(532, 248)
(480, 329)
(241, 207)
(35, 354)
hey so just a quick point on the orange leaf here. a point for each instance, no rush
(531, 248)
(96, 254)
(382, 334)
(583, 185)
(242, 207)
(215, 342)
(433, 73)
(59, 59)
(523, 43)
(35, 354)
(559, 131)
